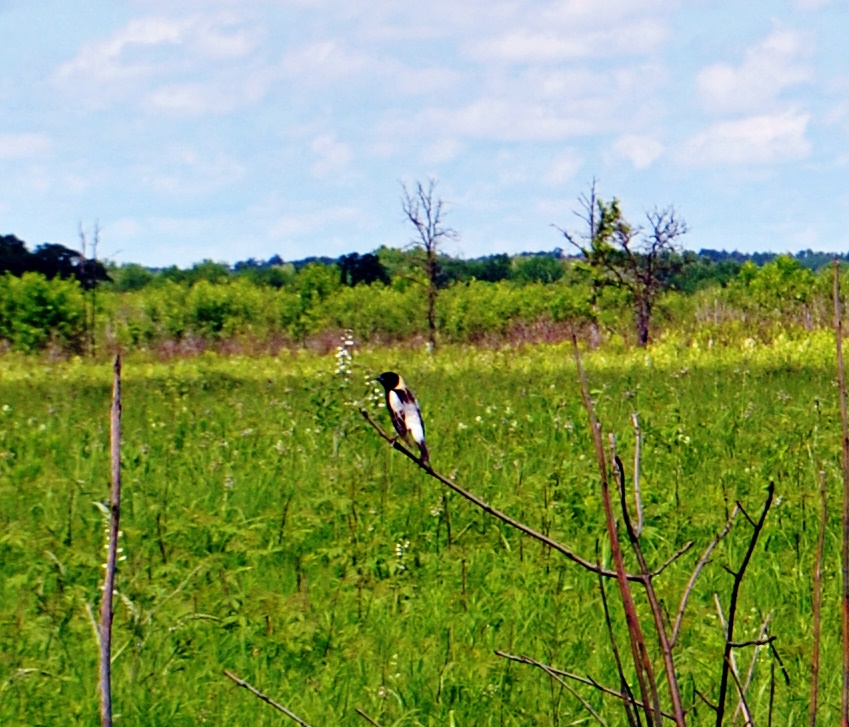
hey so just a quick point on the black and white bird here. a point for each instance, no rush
(404, 410)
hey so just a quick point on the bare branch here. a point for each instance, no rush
(268, 700)
(486, 507)
(366, 717)
(577, 678)
(671, 559)
(696, 571)
(762, 640)
(633, 719)
(732, 605)
(746, 711)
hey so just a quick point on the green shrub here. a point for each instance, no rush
(35, 311)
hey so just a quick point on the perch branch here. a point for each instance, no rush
(486, 507)
(268, 700)
(367, 718)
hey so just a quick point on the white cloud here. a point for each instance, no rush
(324, 61)
(24, 145)
(554, 45)
(767, 69)
(641, 151)
(333, 156)
(212, 97)
(306, 223)
(185, 170)
(812, 4)
(442, 151)
(563, 168)
(158, 50)
(760, 139)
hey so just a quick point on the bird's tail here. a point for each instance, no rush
(425, 453)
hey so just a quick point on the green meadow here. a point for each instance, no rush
(268, 530)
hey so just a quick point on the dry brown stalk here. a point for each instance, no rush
(844, 421)
(642, 661)
(628, 704)
(817, 606)
(106, 612)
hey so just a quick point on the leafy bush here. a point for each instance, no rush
(35, 311)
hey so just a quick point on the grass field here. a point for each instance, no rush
(269, 531)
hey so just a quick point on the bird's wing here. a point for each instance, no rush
(396, 405)
(412, 414)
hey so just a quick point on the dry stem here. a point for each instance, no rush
(106, 612)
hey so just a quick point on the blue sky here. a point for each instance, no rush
(229, 129)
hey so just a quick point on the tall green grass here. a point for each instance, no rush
(269, 531)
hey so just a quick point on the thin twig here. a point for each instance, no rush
(817, 606)
(106, 612)
(486, 507)
(642, 662)
(844, 421)
(569, 688)
(268, 700)
(747, 713)
(755, 642)
(577, 678)
(638, 446)
(696, 571)
(367, 718)
(732, 605)
(762, 640)
(671, 559)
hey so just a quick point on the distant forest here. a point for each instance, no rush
(381, 266)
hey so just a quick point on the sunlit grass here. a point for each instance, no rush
(269, 531)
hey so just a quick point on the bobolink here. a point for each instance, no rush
(404, 410)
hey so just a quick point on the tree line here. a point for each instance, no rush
(610, 265)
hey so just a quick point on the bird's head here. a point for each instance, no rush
(389, 380)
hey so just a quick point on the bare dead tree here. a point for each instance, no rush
(106, 612)
(426, 212)
(89, 274)
(641, 261)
